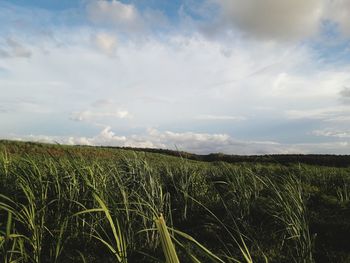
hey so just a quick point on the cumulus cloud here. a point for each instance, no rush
(289, 19)
(202, 143)
(105, 42)
(101, 109)
(125, 17)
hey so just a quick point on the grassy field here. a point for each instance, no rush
(86, 204)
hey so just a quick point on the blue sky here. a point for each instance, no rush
(232, 76)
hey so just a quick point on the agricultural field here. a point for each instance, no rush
(90, 204)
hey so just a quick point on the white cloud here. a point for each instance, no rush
(189, 74)
(200, 143)
(88, 115)
(125, 17)
(203, 143)
(169, 80)
(107, 43)
(320, 83)
(332, 133)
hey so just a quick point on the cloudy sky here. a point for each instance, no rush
(232, 76)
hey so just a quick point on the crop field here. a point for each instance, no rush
(89, 204)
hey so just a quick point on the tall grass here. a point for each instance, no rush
(167, 244)
(117, 245)
(68, 207)
(289, 208)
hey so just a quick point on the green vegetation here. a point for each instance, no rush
(87, 204)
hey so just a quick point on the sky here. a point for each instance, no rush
(230, 76)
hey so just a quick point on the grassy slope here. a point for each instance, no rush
(294, 213)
